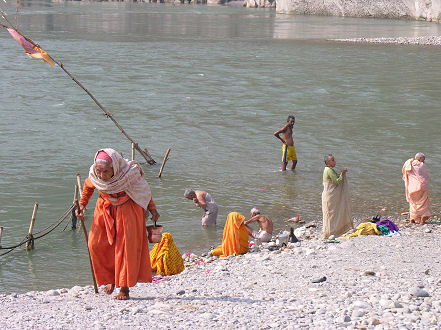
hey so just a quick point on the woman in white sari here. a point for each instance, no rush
(336, 203)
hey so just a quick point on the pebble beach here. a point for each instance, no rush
(366, 282)
(421, 41)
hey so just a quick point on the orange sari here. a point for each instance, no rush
(117, 239)
(235, 240)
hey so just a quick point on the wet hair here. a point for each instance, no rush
(327, 158)
(289, 117)
(420, 154)
(255, 211)
(188, 193)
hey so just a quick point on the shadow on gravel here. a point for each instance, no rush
(221, 298)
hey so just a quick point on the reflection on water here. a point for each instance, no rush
(212, 84)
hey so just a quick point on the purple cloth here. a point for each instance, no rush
(389, 224)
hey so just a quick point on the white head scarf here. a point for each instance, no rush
(128, 176)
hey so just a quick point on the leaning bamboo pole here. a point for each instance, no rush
(1, 232)
(143, 153)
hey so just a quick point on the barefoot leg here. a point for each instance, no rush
(294, 164)
(109, 288)
(123, 294)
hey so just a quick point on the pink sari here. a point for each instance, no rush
(416, 179)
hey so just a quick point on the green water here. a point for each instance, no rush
(213, 84)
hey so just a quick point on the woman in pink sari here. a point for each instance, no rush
(416, 179)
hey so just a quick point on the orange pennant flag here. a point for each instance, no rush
(30, 47)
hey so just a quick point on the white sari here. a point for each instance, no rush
(336, 207)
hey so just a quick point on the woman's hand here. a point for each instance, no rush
(79, 212)
(155, 215)
(343, 172)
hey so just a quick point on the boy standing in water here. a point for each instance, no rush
(288, 149)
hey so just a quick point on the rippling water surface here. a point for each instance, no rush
(212, 84)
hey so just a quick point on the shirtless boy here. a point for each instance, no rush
(288, 149)
(265, 232)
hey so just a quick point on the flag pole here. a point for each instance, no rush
(144, 153)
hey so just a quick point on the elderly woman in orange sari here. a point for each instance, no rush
(117, 240)
(416, 180)
(235, 239)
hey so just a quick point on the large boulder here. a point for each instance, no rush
(429, 10)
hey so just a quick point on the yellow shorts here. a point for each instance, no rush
(288, 153)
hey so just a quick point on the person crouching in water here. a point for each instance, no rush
(117, 239)
(204, 200)
(265, 232)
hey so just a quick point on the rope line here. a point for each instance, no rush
(62, 217)
(31, 238)
(59, 222)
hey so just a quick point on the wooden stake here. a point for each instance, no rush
(133, 151)
(163, 162)
(79, 189)
(30, 242)
(81, 216)
(79, 184)
(1, 232)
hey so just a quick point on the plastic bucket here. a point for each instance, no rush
(283, 238)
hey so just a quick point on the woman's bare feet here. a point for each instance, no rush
(123, 294)
(109, 288)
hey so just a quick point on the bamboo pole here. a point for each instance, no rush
(1, 232)
(146, 155)
(163, 162)
(80, 191)
(16, 14)
(81, 216)
(79, 184)
(133, 151)
(30, 242)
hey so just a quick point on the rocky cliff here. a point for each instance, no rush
(429, 10)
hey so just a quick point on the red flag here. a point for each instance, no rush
(30, 47)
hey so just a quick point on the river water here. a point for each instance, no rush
(212, 83)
